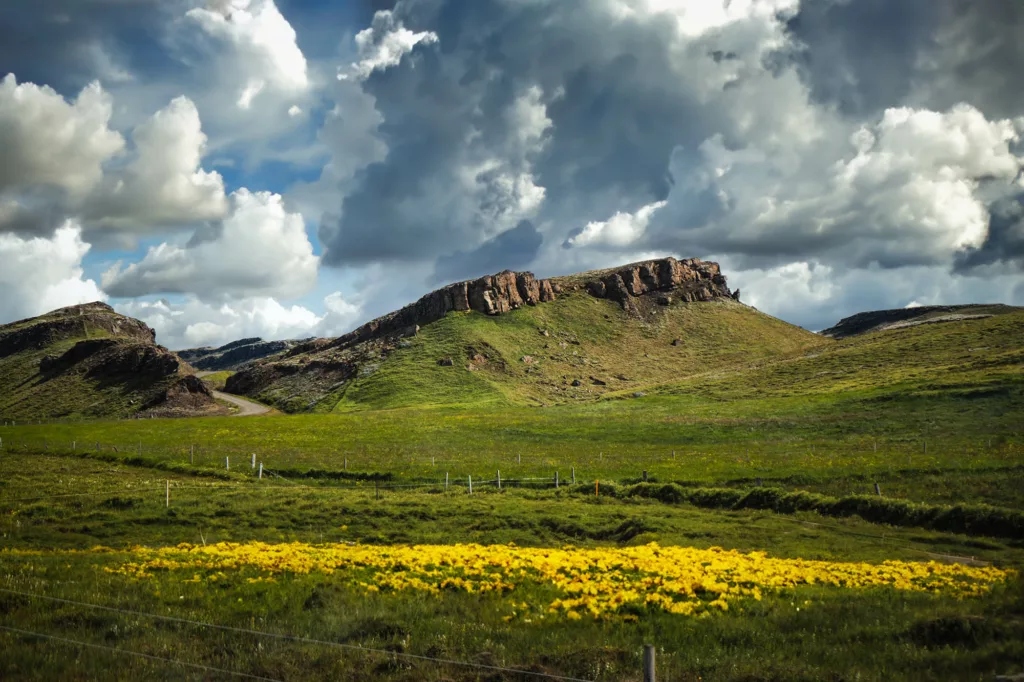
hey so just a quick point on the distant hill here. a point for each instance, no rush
(512, 339)
(882, 320)
(235, 354)
(87, 361)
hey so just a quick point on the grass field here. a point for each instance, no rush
(775, 454)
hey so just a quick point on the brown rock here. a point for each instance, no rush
(446, 362)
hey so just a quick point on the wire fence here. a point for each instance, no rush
(520, 672)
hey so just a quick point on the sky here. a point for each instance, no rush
(231, 168)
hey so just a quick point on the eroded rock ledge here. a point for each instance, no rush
(691, 280)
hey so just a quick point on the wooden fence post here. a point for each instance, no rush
(446, 481)
(574, 475)
(499, 479)
(253, 460)
(227, 463)
(878, 491)
(519, 458)
(167, 500)
(648, 663)
(597, 490)
(470, 485)
(346, 464)
(556, 480)
(645, 475)
(261, 471)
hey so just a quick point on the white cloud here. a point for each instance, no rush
(164, 184)
(49, 141)
(622, 229)
(194, 323)
(264, 54)
(41, 274)
(910, 188)
(260, 249)
(384, 43)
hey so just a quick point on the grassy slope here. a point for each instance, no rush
(931, 412)
(26, 395)
(809, 633)
(587, 337)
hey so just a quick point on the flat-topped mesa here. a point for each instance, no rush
(691, 279)
(491, 295)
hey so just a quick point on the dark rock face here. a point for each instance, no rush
(691, 280)
(491, 295)
(70, 322)
(234, 354)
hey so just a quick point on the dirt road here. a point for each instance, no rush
(246, 408)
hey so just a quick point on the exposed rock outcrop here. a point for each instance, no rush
(294, 382)
(93, 362)
(689, 280)
(72, 322)
(491, 295)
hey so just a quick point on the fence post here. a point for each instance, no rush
(167, 500)
(597, 490)
(261, 471)
(499, 479)
(470, 484)
(227, 464)
(556, 480)
(878, 491)
(433, 461)
(519, 458)
(645, 475)
(446, 481)
(574, 475)
(254, 460)
(346, 463)
(648, 663)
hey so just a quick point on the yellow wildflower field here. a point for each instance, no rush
(595, 582)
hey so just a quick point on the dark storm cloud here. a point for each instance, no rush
(611, 93)
(1005, 241)
(866, 55)
(69, 43)
(513, 249)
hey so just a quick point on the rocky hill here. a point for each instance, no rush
(511, 338)
(884, 320)
(235, 354)
(87, 361)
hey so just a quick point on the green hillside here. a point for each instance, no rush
(88, 362)
(533, 355)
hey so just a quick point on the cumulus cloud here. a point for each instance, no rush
(50, 142)
(193, 323)
(264, 54)
(64, 162)
(384, 44)
(40, 274)
(910, 188)
(164, 184)
(622, 229)
(817, 296)
(259, 249)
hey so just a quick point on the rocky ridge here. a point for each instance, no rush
(112, 362)
(313, 370)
